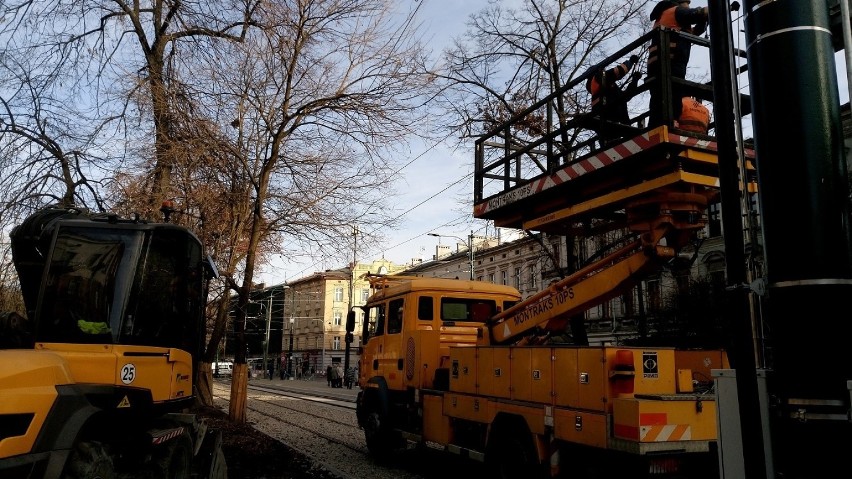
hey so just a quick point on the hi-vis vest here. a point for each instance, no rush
(667, 19)
(694, 117)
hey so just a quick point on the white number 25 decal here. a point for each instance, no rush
(128, 373)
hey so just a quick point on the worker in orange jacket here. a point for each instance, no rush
(678, 16)
(694, 117)
(609, 101)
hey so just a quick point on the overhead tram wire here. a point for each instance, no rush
(313, 266)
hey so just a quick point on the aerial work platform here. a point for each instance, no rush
(593, 190)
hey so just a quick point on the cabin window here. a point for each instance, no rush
(376, 320)
(395, 316)
(462, 309)
(424, 308)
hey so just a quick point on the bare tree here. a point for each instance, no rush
(510, 58)
(103, 56)
(314, 100)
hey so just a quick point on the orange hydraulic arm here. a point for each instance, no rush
(672, 216)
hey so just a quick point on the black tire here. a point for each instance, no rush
(90, 460)
(382, 441)
(511, 453)
(174, 459)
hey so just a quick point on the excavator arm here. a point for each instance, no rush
(665, 223)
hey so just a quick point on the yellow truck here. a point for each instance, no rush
(473, 368)
(429, 375)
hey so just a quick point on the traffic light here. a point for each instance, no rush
(350, 323)
(349, 338)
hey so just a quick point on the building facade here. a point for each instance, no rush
(314, 316)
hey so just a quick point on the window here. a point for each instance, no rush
(532, 281)
(424, 308)
(503, 279)
(376, 320)
(395, 316)
(491, 277)
(365, 293)
(338, 318)
(517, 278)
(714, 223)
(338, 294)
(335, 343)
(476, 310)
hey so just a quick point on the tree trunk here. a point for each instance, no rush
(239, 386)
(204, 383)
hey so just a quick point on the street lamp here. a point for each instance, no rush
(469, 244)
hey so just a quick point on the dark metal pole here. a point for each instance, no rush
(804, 215)
(348, 337)
(290, 353)
(470, 252)
(741, 348)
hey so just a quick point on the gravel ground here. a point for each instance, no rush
(291, 438)
(251, 454)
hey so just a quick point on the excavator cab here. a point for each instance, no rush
(112, 292)
(108, 290)
(104, 280)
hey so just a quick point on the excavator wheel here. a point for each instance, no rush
(90, 460)
(174, 460)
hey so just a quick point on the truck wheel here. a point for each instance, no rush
(174, 460)
(381, 439)
(511, 454)
(90, 460)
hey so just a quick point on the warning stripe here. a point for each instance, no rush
(167, 436)
(575, 170)
(595, 162)
(668, 432)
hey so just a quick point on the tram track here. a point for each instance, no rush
(291, 412)
(322, 425)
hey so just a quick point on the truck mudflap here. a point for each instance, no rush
(656, 423)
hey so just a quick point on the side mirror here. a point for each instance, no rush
(350, 321)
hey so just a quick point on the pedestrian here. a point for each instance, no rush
(609, 100)
(678, 16)
(328, 374)
(350, 377)
(335, 375)
(271, 370)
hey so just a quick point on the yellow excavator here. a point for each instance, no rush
(96, 378)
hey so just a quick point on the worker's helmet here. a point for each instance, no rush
(660, 7)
